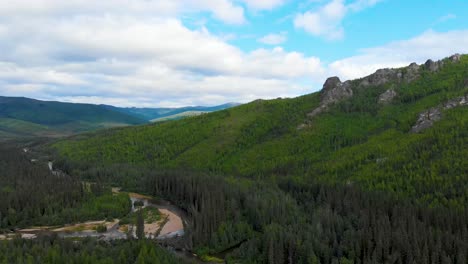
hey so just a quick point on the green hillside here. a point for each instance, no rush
(344, 144)
(368, 171)
(29, 117)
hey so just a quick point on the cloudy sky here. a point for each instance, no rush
(208, 52)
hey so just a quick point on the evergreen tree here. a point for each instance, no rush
(140, 225)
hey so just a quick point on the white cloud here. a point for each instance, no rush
(263, 4)
(362, 4)
(151, 60)
(274, 39)
(445, 18)
(429, 45)
(224, 10)
(145, 56)
(326, 21)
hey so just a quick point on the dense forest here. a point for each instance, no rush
(292, 222)
(31, 194)
(353, 185)
(29, 191)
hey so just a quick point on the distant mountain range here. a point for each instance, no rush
(25, 117)
(163, 114)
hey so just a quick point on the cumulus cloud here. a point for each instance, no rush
(138, 53)
(326, 21)
(273, 39)
(429, 45)
(148, 60)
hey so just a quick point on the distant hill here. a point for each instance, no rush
(21, 116)
(151, 114)
(179, 116)
(25, 117)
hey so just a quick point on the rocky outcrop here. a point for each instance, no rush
(434, 66)
(455, 57)
(383, 76)
(333, 91)
(387, 96)
(427, 118)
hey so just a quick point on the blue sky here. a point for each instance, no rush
(207, 52)
(375, 25)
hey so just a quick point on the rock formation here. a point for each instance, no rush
(387, 96)
(333, 91)
(427, 118)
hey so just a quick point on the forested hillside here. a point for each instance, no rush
(358, 140)
(21, 117)
(367, 171)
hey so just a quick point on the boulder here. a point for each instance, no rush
(387, 96)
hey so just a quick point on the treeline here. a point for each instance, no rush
(49, 249)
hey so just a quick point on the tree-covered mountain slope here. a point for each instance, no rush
(28, 117)
(372, 170)
(352, 132)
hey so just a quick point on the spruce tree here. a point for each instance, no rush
(140, 225)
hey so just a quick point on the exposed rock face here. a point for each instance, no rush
(433, 66)
(412, 73)
(455, 57)
(387, 96)
(333, 91)
(427, 118)
(380, 77)
(384, 76)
